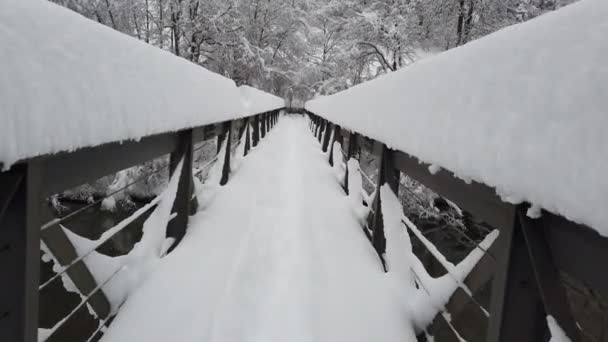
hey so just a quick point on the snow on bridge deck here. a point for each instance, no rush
(276, 255)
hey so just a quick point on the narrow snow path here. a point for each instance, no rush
(277, 256)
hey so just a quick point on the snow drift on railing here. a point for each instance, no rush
(524, 110)
(68, 82)
(256, 101)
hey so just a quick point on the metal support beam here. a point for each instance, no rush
(20, 255)
(476, 198)
(322, 126)
(516, 311)
(327, 137)
(64, 251)
(240, 123)
(182, 205)
(352, 151)
(247, 137)
(549, 283)
(221, 136)
(66, 170)
(226, 167)
(9, 183)
(337, 138)
(204, 133)
(575, 249)
(256, 131)
(387, 174)
(268, 119)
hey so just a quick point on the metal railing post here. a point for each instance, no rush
(337, 138)
(515, 309)
(387, 174)
(352, 150)
(20, 223)
(327, 136)
(526, 286)
(226, 167)
(183, 203)
(256, 131)
(321, 129)
(247, 137)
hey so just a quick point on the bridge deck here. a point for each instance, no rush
(277, 255)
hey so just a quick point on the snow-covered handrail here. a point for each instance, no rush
(26, 186)
(522, 110)
(69, 82)
(546, 241)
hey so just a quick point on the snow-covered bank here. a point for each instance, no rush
(522, 110)
(69, 82)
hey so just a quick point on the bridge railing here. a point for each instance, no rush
(526, 265)
(24, 220)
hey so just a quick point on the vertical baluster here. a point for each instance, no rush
(327, 136)
(526, 286)
(515, 311)
(387, 174)
(20, 251)
(321, 129)
(220, 137)
(182, 205)
(547, 277)
(269, 121)
(256, 131)
(352, 150)
(226, 167)
(337, 138)
(247, 137)
(241, 123)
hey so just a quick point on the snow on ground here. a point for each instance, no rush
(523, 110)
(68, 82)
(276, 256)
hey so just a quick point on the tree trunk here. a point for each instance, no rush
(111, 15)
(147, 36)
(460, 22)
(161, 24)
(137, 29)
(468, 23)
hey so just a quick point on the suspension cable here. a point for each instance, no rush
(107, 235)
(103, 322)
(83, 302)
(459, 283)
(444, 314)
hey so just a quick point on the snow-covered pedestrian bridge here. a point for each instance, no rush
(265, 225)
(277, 255)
